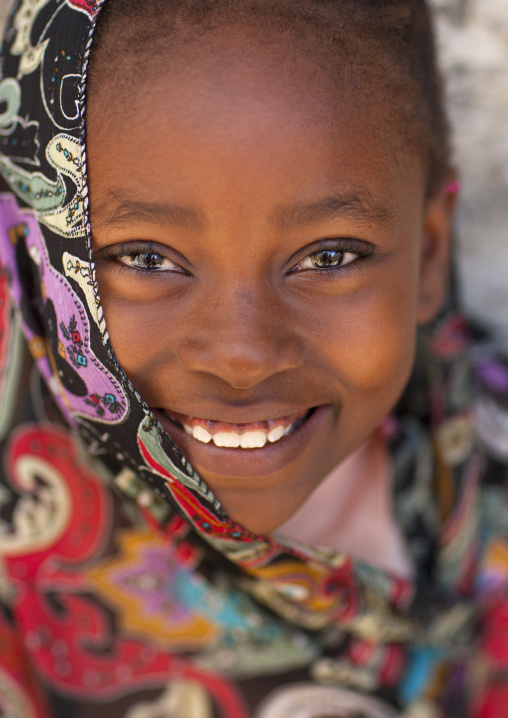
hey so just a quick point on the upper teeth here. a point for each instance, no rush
(245, 440)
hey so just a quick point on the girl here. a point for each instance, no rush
(244, 480)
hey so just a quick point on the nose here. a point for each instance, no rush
(243, 338)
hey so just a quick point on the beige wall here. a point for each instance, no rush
(4, 9)
(473, 37)
(474, 53)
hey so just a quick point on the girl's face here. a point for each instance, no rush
(264, 254)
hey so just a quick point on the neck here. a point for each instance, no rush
(352, 511)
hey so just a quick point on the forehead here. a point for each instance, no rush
(234, 63)
(245, 97)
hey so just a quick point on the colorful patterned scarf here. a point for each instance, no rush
(127, 589)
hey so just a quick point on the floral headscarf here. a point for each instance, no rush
(129, 590)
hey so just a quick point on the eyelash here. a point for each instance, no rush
(358, 250)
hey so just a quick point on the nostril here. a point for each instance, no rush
(242, 365)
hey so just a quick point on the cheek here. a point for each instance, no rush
(135, 331)
(371, 340)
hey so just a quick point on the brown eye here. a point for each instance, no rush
(327, 259)
(149, 262)
(146, 260)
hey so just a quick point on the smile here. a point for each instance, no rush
(274, 443)
(253, 435)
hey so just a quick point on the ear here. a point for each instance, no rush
(436, 251)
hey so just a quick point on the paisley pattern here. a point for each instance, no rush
(127, 589)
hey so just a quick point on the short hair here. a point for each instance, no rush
(388, 44)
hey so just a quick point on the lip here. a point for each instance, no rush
(247, 463)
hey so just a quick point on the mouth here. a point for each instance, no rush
(252, 435)
(252, 449)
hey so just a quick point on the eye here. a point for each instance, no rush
(144, 257)
(329, 258)
(149, 262)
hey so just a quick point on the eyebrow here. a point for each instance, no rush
(360, 209)
(127, 210)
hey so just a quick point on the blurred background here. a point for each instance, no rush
(473, 43)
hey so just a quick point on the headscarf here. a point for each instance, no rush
(128, 589)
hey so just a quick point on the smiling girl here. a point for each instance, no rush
(244, 480)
